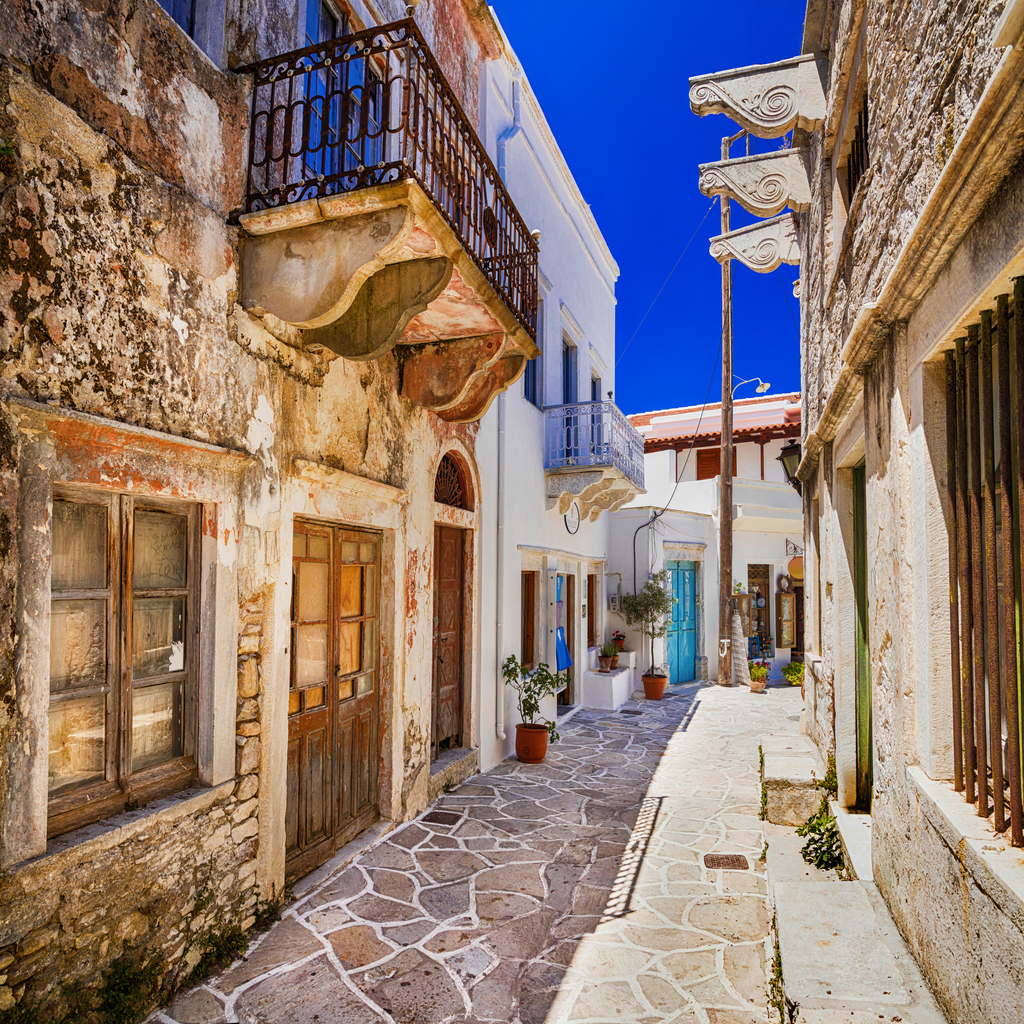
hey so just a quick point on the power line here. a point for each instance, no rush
(665, 282)
(782, 284)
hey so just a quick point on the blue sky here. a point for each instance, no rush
(614, 91)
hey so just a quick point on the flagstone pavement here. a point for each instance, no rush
(571, 891)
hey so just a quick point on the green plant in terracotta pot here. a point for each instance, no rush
(605, 655)
(532, 686)
(648, 612)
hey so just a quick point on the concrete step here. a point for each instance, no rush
(792, 771)
(841, 954)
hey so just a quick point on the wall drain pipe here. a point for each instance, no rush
(499, 628)
(514, 129)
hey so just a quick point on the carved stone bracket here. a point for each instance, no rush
(764, 184)
(762, 246)
(596, 491)
(380, 269)
(766, 99)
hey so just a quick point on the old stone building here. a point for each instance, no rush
(906, 178)
(259, 281)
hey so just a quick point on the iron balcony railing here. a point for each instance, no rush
(374, 107)
(593, 434)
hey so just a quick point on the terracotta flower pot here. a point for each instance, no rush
(758, 685)
(654, 687)
(620, 643)
(603, 664)
(615, 662)
(531, 743)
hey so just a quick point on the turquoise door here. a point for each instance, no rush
(682, 635)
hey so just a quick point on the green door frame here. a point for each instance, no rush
(865, 751)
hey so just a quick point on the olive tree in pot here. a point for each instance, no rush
(648, 612)
(532, 686)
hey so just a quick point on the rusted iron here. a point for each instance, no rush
(954, 610)
(965, 712)
(974, 504)
(995, 739)
(1009, 617)
(372, 108)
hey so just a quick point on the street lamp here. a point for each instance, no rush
(762, 386)
(790, 459)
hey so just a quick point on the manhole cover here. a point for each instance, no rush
(629, 711)
(726, 862)
(443, 818)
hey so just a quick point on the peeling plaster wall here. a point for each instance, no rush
(925, 68)
(118, 278)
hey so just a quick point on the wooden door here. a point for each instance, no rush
(592, 640)
(682, 635)
(333, 695)
(566, 617)
(446, 726)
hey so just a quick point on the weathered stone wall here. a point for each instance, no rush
(925, 67)
(118, 278)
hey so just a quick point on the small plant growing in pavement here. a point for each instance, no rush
(823, 848)
(764, 789)
(648, 611)
(532, 686)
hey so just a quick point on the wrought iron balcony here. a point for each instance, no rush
(592, 454)
(373, 108)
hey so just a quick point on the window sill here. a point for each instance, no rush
(119, 828)
(997, 867)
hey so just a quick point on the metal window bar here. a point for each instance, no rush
(857, 161)
(373, 107)
(593, 434)
(985, 476)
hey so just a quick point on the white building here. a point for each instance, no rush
(681, 469)
(553, 447)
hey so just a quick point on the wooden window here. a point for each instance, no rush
(123, 652)
(709, 460)
(528, 646)
(785, 619)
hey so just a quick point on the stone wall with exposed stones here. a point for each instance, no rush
(118, 276)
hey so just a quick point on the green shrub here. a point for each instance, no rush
(823, 848)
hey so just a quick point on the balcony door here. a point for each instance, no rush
(333, 699)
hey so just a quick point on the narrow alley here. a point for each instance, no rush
(573, 890)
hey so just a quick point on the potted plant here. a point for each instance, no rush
(647, 612)
(619, 639)
(532, 686)
(758, 676)
(794, 672)
(605, 656)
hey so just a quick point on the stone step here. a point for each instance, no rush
(792, 771)
(855, 833)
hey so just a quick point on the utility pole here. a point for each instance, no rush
(725, 466)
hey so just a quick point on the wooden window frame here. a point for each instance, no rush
(120, 786)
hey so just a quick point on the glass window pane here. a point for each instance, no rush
(349, 551)
(346, 687)
(78, 644)
(319, 547)
(368, 578)
(294, 702)
(348, 648)
(310, 655)
(312, 591)
(364, 684)
(76, 742)
(315, 697)
(367, 552)
(350, 591)
(79, 545)
(369, 643)
(160, 543)
(156, 724)
(158, 636)
(299, 545)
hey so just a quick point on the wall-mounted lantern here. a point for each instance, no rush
(790, 459)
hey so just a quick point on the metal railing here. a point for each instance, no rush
(985, 474)
(374, 107)
(593, 434)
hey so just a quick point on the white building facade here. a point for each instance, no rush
(675, 526)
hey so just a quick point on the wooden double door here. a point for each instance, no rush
(333, 698)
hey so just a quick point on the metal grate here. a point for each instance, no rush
(372, 108)
(857, 161)
(985, 474)
(629, 711)
(442, 818)
(448, 487)
(726, 862)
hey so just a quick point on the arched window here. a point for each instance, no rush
(450, 484)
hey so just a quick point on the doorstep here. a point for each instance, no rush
(451, 768)
(791, 776)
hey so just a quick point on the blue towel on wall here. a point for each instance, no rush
(562, 659)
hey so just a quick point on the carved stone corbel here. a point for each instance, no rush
(764, 184)
(762, 246)
(766, 99)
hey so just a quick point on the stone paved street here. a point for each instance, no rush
(574, 890)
